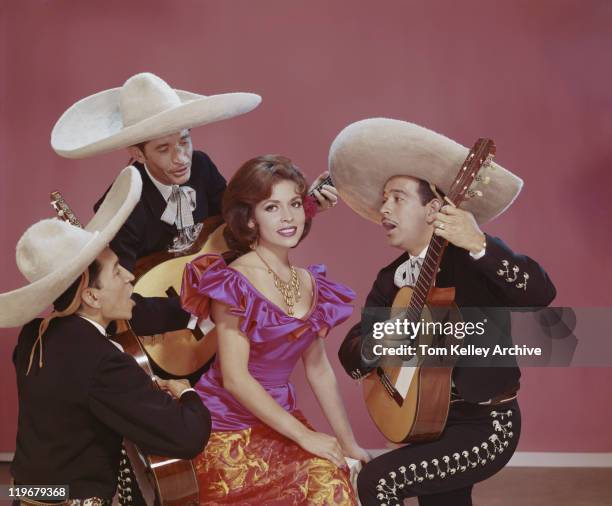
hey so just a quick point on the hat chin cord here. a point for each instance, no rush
(44, 325)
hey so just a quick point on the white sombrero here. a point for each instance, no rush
(52, 253)
(144, 108)
(367, 153)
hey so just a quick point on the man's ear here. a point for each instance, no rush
(136, 154)
(89, 298)
(433, 207)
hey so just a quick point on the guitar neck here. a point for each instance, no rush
(320, 185)
(481, 154)
(63, 209)
(427, 276)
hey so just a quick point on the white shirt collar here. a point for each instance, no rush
(164, 189)
(406, 273)
(102, 330)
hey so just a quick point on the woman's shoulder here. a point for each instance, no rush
(250, 269)
(246, 264)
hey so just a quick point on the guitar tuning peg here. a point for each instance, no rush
(474, 193)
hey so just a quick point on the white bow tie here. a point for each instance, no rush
(181, 203)
(408, 272)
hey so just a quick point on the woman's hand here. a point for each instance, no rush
(322, 445)
(358, 453)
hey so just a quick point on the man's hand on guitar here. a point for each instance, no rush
(459, 228)
(327, 195)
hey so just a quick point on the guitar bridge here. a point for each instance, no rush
(386, 383)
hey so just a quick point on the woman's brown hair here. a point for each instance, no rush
(252, 183)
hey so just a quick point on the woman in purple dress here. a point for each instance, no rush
(268, 314)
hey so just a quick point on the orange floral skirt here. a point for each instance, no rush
(260, 467)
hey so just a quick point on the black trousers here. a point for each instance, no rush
(477, 442)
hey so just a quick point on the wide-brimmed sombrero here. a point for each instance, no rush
(52, 253)
(144, 108)
(367, 153)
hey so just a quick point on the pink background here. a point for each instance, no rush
(534, 76)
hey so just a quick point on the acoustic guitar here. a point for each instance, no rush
(182, 352)
(166, 481)
(409, 403)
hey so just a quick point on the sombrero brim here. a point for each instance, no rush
(366, 154)
(94, 125)
(23, 304)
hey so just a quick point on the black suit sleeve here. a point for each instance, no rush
(215, 187)
(350, 349)
(156, 315)
(516, 279)
(125, 399)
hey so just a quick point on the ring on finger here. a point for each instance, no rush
(440, 226)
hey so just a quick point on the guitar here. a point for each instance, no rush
(172, 480)
(182, 352)
(410, 403)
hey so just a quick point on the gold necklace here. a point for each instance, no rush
(290, 290)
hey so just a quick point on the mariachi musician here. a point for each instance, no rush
(181, 187)
(79, 393)
(396, 173)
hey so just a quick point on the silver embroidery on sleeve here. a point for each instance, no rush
(389, 490)
(504, 272)
(356, 374)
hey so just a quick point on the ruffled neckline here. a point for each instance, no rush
(315, 293)
(209, 278)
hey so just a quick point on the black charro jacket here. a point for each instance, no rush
(480, 284)
(76, 409)
(144, 233)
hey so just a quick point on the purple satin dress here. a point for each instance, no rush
(277, 340)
